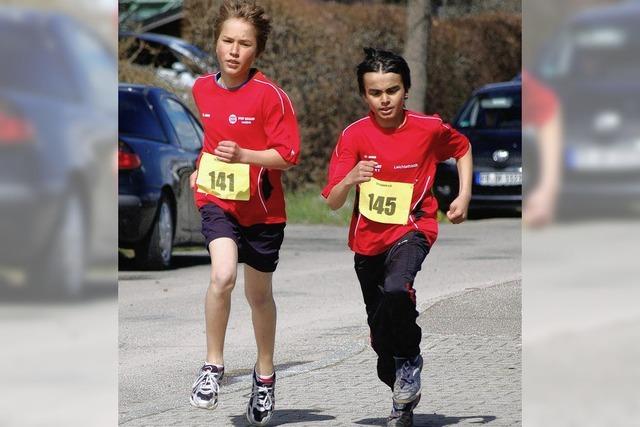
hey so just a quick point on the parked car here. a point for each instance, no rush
(57, 154)
(175, 60)
(491, 119)
(592, 64)
(159, 140)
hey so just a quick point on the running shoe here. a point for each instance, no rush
(402, 414)
(204, 392)
(261, 402)
(407, 385)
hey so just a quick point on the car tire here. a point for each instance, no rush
(154, 252)
(62, 273)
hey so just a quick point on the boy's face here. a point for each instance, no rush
(385, 95)
(236, 48)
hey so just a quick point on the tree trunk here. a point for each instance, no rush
(415, 51)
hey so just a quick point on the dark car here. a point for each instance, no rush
(57, 152)
(175, 60)
(158, 143)
(593, 65)
(491, 119)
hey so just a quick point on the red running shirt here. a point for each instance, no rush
(539, 103)
(407, 154)
(257, 116)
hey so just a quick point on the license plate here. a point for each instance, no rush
(600, 158)
(495, 179)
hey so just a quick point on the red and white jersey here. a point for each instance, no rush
(407, 154)
(257, 116)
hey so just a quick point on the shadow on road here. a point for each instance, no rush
(288, 416)
(180, 260)
(493, 213)
(95, 290)
(432, 420)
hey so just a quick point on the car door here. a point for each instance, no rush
(189, 144)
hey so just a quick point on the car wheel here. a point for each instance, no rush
(154, 252)
(62, 272)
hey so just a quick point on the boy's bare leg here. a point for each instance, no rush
(257, 288)
(224, 263)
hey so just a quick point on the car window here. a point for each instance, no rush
(182, 124)
(34, 60)
(500, 110)
(198, 128)
(135, 117)
(97, 65)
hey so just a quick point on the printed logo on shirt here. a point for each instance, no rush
(376, 168)
(245, 120)
(206, 115)
(411, 166)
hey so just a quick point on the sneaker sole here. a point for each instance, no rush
(411, 399)
(203, 405)
(256, 423)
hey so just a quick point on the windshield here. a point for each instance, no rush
(493, 111)
(603, 52)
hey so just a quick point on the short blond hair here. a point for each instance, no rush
(248, 11)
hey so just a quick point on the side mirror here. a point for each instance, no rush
(178, 67)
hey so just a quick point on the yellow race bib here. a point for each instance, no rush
(228, 181)
(385, 201)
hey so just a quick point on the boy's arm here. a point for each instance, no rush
(231, 152)
(457, 212)
(362, 172)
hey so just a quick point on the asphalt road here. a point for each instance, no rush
(320, 313)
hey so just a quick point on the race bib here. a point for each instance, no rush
(385, 201)
(229, 181)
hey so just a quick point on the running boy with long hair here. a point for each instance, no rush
(390, 156)
(251, 135)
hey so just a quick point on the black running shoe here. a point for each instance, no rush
(402, 414)
(205, 389)
(407, 385)
(261, 402)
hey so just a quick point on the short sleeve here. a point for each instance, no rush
(343, 158)
(539, 103)
(281, 125)
(450, 143)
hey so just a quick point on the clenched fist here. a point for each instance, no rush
(457, 212)
(229, 152)
(362, 172)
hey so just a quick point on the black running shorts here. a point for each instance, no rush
(258, 245)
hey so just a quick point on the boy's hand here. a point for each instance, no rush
(229, 152)
(362, 172)
(457, 212)
(192, 179)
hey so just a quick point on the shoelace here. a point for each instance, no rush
(264, 401)
(207, 382)
(407, 373)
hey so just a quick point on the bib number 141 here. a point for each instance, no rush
(229, 181)
(219, 181)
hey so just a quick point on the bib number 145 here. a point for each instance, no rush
(386, 202)
(382, 205)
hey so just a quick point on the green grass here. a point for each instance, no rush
(309, 207)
